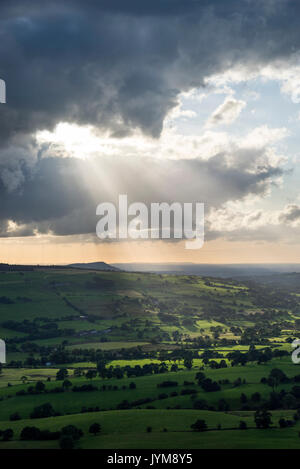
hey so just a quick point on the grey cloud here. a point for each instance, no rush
(61, 194)
(292, 213)
(283, 226)
(227, 112)
(120, 65)
(272, 233)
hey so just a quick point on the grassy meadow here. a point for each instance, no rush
(125, 350)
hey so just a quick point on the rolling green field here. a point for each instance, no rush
(125, 350)
(170, 429)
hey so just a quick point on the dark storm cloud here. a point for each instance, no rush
(120, 65)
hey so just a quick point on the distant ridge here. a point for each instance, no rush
(95, 266)
(30, 268)
(213, 270)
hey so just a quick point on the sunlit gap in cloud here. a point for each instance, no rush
(75, 140)
(85, 141)
(175, 142)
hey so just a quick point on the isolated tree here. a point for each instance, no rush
(289, 401)
(62, 374)
(72, 431)
(67, 384)
(188, 363)
(282, 423)
(199, 426)
(209, 386)
(101, 366)
(42, 411)
(163, 368)
(40, 387)
(271, 382)
(90, 374)
(30, 433)
(95, 428)
(200, 404)
(276, 377)
(243, 425)
(263, 418)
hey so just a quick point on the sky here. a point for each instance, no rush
(162, 100)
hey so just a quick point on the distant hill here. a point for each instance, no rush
(289, 281)
(212, 270)
(95, 266)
